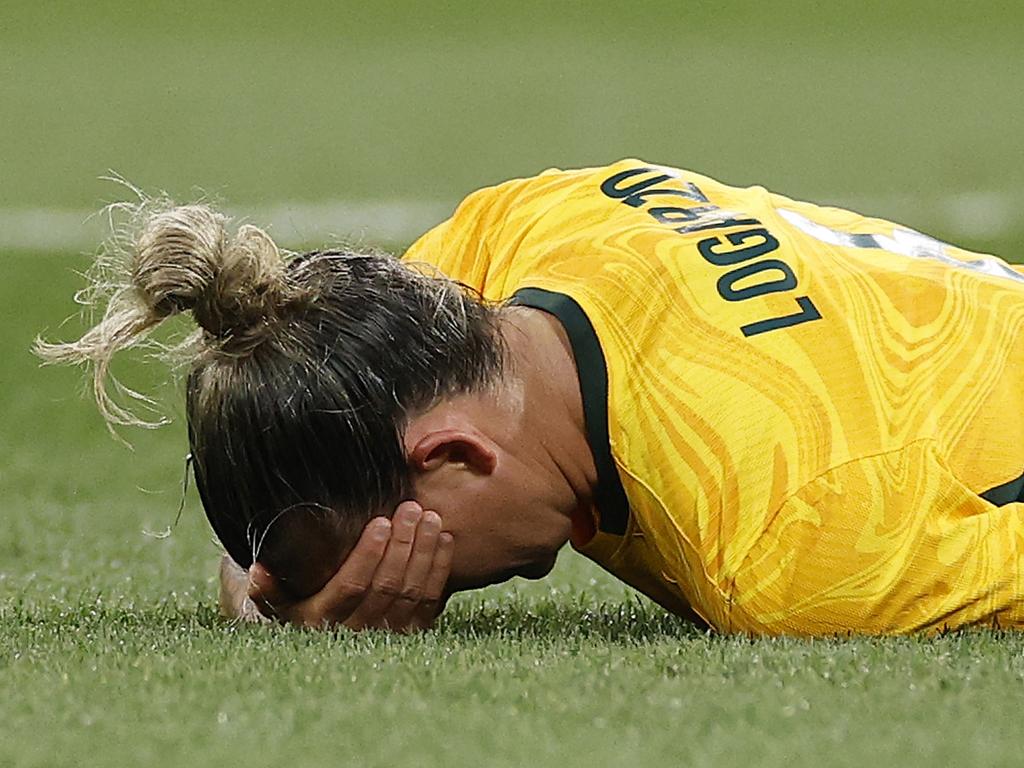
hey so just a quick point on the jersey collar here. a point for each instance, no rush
(610, 497)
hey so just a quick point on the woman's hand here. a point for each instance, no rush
(393, 579)
(234, 593)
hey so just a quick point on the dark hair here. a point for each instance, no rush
(303, 375)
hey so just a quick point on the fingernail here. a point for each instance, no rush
(410, 515)
(431, 517)
(381, 529)
(446, 538)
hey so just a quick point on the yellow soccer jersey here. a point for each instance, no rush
(804, 421)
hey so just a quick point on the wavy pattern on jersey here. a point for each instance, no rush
(808, 480)
(937, 345)
(902, 359)
(960, 565)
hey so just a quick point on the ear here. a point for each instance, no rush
(458, 447)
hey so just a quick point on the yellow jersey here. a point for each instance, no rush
(804, 421)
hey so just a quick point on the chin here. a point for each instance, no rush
(538, 569)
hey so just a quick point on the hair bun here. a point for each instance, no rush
(168, 259)
(185, 259)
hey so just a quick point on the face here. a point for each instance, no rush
(503, 524)
(485, 464)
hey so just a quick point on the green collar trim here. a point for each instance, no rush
(612, 504)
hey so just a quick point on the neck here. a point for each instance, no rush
(544, 372)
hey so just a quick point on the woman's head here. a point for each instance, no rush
(303, 375)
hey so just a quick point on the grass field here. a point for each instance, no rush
(110, 649)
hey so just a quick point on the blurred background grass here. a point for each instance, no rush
(268, 102)
(909, 110)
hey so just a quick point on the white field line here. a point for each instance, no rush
(291, 224)
(981, 214)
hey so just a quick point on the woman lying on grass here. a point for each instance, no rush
(767, 416)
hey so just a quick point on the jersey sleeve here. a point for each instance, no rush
(889, 544)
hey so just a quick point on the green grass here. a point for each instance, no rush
(110, 651)
(541, 681)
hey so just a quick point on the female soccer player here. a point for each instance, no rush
(772, 417)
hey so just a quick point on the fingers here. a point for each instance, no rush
(234, 599)
(393, 578)
(417, 572)
(389, 578)
(338, 597)
(347, 588)
(433, 600)
(265, 592)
